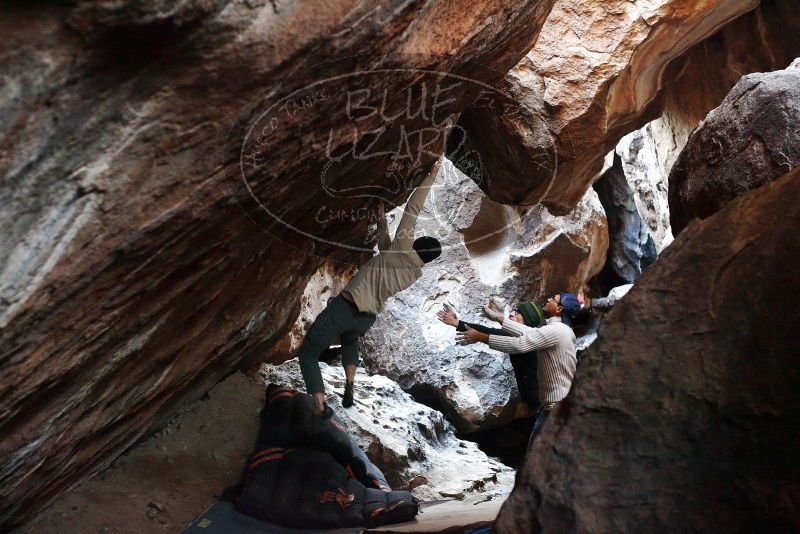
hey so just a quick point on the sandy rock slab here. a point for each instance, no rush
(414, 446)
(685, 415)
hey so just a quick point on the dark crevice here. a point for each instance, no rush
(124, 51)
(629, 254)
(507, 443)
(436, 399)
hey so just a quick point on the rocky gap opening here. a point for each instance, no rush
(633, 190)
(505, 442)
(508, 443)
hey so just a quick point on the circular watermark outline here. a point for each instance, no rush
(441, 75)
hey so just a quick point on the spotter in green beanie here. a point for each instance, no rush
(531, 313)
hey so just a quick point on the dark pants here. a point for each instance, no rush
(538, 423)
(339, 320)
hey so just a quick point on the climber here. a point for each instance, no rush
(397, 265)
(555, 342)
(524, 364)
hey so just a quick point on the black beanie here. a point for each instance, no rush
(428, 248)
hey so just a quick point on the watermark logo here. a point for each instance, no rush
(327, 151)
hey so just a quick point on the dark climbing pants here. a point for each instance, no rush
(339, 320)
(541, 417)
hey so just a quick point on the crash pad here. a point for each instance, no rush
(222, 518)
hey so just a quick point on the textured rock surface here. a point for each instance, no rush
(599, 307)
(488, 250)
(751, 138)
(413, 445)
(632, 248)
(647, 156)
(132, 274)
(327, 282)
(685, 412)
(603, 69)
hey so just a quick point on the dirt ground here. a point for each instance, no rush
(163, 483)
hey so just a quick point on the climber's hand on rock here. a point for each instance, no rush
(470, 336)
(447, 315)
(491, 312)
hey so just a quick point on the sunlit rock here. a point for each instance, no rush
(489, 250)
(602, 69)
(647, 155)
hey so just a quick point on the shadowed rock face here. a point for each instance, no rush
(135, 270)
(685, 412)
(603, 69)
(647, 156)
(753, 137)
(631, 247)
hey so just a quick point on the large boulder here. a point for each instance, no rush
(685, 413)
(602, 69)
(414, 446)
(159, 163)
(753, 137)
(489, 250)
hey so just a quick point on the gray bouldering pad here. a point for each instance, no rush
(222, 518)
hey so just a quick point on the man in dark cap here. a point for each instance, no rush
(397, 265)
(524, 364)
(555, 343)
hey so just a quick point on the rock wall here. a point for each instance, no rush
(489, 250)
(150, 156)
(647, 155)
(704, 75)
(672, 421)
(632, 248)
(753, 137)
(164, 482)
(601, 70)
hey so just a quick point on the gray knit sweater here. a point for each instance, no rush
(555, 343)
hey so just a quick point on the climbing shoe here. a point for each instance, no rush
(347, 400)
